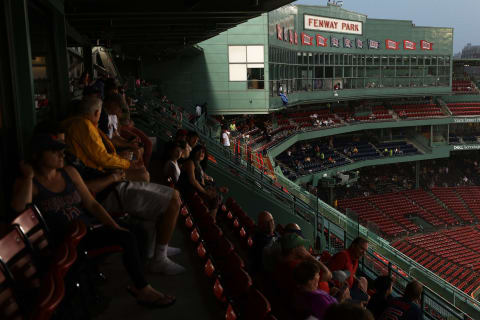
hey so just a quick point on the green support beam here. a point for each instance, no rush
(87, 60)
(18, 37)
(417, 174)
(60, 64)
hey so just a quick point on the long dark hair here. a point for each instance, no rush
(382, 284)
(45, 127)
(198, 148)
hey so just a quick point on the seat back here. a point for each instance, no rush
(257, 306)
(9, 308)
(18, 260)
(31, 225)
(237, 282)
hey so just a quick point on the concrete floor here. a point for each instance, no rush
(195, 299)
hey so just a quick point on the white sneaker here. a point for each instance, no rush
(173, 251)
(166, 266)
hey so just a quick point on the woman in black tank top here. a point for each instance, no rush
(62, 197)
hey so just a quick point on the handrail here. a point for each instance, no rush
(305, 201)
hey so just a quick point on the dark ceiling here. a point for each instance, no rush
(158, 27)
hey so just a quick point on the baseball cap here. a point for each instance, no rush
(43, 141)
(340, 275)
(292, 240)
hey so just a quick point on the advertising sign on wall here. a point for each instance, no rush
(372, 44)
(332, 25)
(359, 44)
(425, 45)
(335, 42)
(291, 36)
(279, 32)
(347, 43)
(306, 39)
(409, 45)
(321, 41)
(391, 45)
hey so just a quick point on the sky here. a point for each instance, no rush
(462, 15)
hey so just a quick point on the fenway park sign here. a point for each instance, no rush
(332, 25)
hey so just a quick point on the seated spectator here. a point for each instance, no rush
(128, 131)
(347, 311)
(171, 170)
(192, 139)
(264, 237)
(407, 307)
(309, 300)
(93, 148)
(347, 260)
(156, 206)
(293, 252)
(62, 197)
(383, 286)
(193, 179)
(272, 254)
(113, 105)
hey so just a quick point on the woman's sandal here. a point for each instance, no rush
(154, 304)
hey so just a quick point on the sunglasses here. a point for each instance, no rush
(298, 232)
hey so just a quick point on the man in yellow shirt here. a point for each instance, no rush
(93, 148)
(157, 206)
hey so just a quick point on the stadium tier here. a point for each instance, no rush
(242, 150)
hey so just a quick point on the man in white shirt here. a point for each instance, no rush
(198, 110)
(225, 138)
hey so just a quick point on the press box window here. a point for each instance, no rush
(255, 76)
(246, 63)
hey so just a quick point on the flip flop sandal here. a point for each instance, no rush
(154, 304)
(157, 304)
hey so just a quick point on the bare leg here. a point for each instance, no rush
(165, 228)
(213, 213)
(166, 225)
(150, 295)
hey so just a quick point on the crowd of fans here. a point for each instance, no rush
(461, 169)
(262, 132)
(95, 164)
(303, 285)
(92, 165)
(312, 156)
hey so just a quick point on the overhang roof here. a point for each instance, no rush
(158, 27)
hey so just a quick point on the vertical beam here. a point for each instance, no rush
(87, 60)
(18, 37)
(60, 64)
(417, 174)
(431, 136)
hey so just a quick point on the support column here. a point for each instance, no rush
(18, 37)
(60, 64)
(417, 174)
(87, 60)
(431, 136)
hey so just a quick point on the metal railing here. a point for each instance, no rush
(438, 292)
(294, 85)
